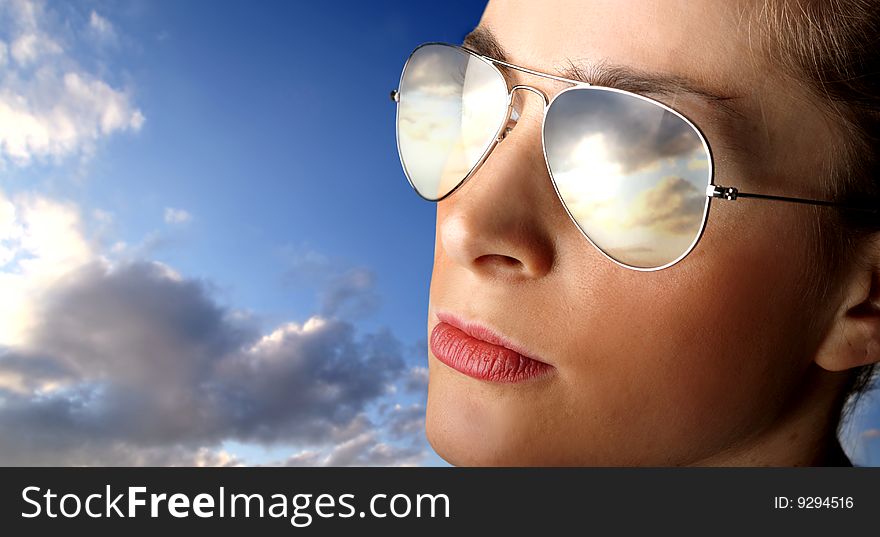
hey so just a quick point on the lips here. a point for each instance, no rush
(478, 352)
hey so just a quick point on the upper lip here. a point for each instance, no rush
(482, 332)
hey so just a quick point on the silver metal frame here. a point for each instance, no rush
(713, 191)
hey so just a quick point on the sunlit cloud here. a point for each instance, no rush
(41, 239)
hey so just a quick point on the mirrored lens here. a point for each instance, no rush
(632, 173)
(452, 106)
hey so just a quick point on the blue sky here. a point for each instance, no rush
(213, 190)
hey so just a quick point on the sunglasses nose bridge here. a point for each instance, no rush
(532, 89)
(515, 113)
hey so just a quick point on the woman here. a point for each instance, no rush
(586, 306)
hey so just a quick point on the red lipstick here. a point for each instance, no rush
(480, 353)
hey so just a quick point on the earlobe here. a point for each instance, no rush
(853, 337)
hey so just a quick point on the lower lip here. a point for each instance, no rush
(480, 359)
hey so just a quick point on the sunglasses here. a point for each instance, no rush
(634, 175)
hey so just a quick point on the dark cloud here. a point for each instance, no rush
(406, 421)
(30, 372)
(637, 133)
(416, 379)
(135, 364)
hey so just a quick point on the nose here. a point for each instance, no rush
(498, 224)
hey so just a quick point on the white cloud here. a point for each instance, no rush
(101, 26)
(176, 216)
(30, 47)
(50, 106)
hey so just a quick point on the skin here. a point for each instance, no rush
(725, 358)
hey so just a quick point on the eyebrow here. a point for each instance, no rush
(482, 41)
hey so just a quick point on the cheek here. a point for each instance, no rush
(687, 360)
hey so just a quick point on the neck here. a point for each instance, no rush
(803, 434)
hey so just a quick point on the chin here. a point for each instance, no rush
(466, 431)
(459, 448)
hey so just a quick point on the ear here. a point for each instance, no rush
(853, 338)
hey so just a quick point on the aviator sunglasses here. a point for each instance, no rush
(634, 175)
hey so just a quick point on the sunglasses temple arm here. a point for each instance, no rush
(731, 193)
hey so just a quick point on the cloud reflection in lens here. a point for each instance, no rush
(451, 107)
(631, 173)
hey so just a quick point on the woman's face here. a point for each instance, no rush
(696, 363)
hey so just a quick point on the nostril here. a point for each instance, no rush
(498, 261)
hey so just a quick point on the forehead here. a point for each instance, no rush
(706, 40)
